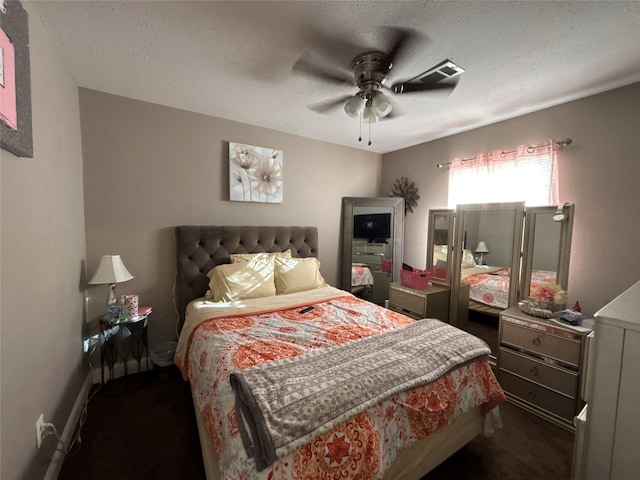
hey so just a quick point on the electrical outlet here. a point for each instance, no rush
(39, 430)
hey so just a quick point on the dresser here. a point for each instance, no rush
(612, 436)
(541, 365)
(432, 302)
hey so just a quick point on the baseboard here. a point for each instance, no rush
(69, 429)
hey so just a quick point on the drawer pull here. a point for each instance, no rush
(536, 341)
(533, 371)
(532, 393)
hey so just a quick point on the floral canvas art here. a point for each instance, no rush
(255, 174)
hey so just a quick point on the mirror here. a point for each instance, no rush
(372, 242)
(547, 247)
(440, 239)
(486, 261)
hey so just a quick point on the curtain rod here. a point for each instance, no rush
(561, 144)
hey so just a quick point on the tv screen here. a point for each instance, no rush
(372, 226)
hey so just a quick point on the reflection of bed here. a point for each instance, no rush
(274, 328)
(361, 277)
(489, 286)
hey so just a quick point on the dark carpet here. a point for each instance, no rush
(143, 427)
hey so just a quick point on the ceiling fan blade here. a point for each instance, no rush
(411, 87)
(401, 40)
(329, 105)
(307, 68)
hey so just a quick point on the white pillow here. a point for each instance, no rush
(243, 280)
(297, 274)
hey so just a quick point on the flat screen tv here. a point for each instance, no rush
(372, 226)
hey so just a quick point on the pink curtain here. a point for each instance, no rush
(528, 173)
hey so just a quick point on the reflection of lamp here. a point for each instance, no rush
(481, 249)
(111, 270)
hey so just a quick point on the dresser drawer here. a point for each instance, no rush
(538, 396)
(543, 343)
(555, 378)
(408, 300)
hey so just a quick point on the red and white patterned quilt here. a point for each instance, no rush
(361, 275)
(490, 285)
(219, 339)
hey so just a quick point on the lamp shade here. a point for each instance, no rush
(354, 105)
(110, 270)
(482, 248)
(369, 116)
(381, 105)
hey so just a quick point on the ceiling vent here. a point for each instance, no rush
(444, 71)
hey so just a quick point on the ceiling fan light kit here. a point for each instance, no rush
(369, 115)
(355, 105)
(381, 105)
(370, 70)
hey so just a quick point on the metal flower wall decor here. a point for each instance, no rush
(408, 190)
(255, 174)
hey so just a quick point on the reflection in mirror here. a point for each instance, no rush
(547, 248)
(372, 245)
(440, 239)
(487, 260)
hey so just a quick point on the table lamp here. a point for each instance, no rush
(111, 270)
(482, 249)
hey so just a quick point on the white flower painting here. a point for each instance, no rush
(255, 174)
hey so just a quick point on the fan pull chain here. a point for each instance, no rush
(360, 126)
(369, 133)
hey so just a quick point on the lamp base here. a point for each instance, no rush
(112, 299)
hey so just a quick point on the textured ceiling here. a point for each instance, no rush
(234, 59)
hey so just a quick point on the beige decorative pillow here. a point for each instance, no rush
(243, 280)
(468, 260)
(297, 274)
(245, 257)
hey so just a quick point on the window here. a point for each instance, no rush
(528, 173)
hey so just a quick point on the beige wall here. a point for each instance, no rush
(599, 172)
(148, 168)
(43, 249)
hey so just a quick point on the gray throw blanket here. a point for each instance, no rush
(284, 404)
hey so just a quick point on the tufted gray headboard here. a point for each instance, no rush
(200, 248)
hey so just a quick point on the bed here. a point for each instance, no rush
(361, 277)
(489, 286)
(401, 435)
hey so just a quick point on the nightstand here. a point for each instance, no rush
(123, 339)
(432, 302)
(541, 365)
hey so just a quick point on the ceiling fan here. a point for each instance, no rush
(369, 73)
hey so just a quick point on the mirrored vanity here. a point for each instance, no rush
(372, 243)
(497, 255)
(504, 250)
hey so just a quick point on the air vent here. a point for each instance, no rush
(445, 70)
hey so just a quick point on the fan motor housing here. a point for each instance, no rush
(369, 70)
